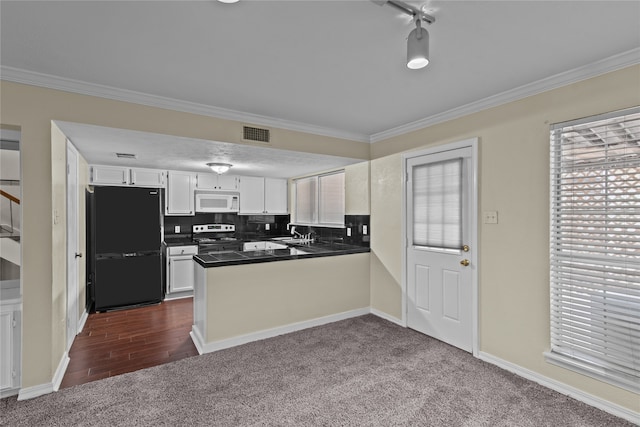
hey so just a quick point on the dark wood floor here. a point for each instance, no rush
(128, 340)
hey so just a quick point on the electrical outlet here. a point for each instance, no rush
(348, 231)
(176, 229)
(490, 217)
(365, 229)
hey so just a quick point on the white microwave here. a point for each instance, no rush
(217, 202)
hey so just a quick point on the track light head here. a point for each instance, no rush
(418, 48)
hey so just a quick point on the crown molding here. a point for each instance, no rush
(612, 63)
(18, 75)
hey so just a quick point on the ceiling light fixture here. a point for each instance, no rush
(219, 168)
(418, 41)
(228, 1)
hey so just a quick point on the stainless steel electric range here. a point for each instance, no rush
(216, 238)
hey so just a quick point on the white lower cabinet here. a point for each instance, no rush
(180, 268)
(10, 316)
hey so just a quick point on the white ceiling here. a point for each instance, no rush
(331, 67)
(99, 145)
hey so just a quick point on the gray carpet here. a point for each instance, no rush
(361, 371)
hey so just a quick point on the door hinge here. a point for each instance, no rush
(13, 373)
(14, 322)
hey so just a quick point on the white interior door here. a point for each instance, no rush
(440, 292)
(73, 255)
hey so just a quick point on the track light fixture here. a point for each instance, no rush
(418, 41)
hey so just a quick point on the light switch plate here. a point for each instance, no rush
(348, 231)
(365, 229)
(267, 227)
(490, 217)
(176, 229)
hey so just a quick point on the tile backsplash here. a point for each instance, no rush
(249, 227)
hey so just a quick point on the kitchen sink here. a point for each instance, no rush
(292, 240)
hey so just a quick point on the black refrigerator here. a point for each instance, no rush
(125, 239)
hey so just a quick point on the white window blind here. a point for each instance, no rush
(320, 200)
(437, 204)
(306, 211)
(595, 247)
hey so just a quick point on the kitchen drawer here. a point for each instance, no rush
(182, 250)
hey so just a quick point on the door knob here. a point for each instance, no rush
(464, 262)
(465, 248)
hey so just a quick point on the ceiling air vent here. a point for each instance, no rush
(255, 134)
(125, 156)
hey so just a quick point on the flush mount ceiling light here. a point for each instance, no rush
(228, 1)
(418, 41)
(219, 168)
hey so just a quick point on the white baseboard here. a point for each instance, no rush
(273, 332)
(198, 340)
(9, 392)
(388, 317)
(35, 391)
(59, 374)
(82, 321)
(54, 385)
(178, 295)
(589, 399)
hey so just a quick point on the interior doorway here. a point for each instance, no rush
(441, 243)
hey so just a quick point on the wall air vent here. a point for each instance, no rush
(255, 134)
(125, 156)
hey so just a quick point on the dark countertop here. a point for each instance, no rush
(179, 241)
(294, 251)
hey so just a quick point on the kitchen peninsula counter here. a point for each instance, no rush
(241, 297)
(300, 251)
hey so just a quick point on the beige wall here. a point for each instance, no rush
(513, 168)
(255, 297)
(32, 110)
(357, 190)
(513, 254)
(386, 235)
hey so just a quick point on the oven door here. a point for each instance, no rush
(208, 248)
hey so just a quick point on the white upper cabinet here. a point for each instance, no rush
(213, 181)
(123, 176)
(260, 196)
(180, 197)
(275, 196)
(108, 175)
(147, 177)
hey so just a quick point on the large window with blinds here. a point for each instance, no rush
(319, 200)
(595, 247)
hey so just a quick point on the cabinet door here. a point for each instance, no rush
(213, 181)
(147, 178)
(109, 175)
(227, 182)
(206, 181)
(181, 273)
(275, 196)
(6, 349)
(251, 195)
(180, 193)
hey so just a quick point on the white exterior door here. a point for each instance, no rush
(73, 256)
(439, 272)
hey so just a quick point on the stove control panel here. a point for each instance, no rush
(214, 228)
